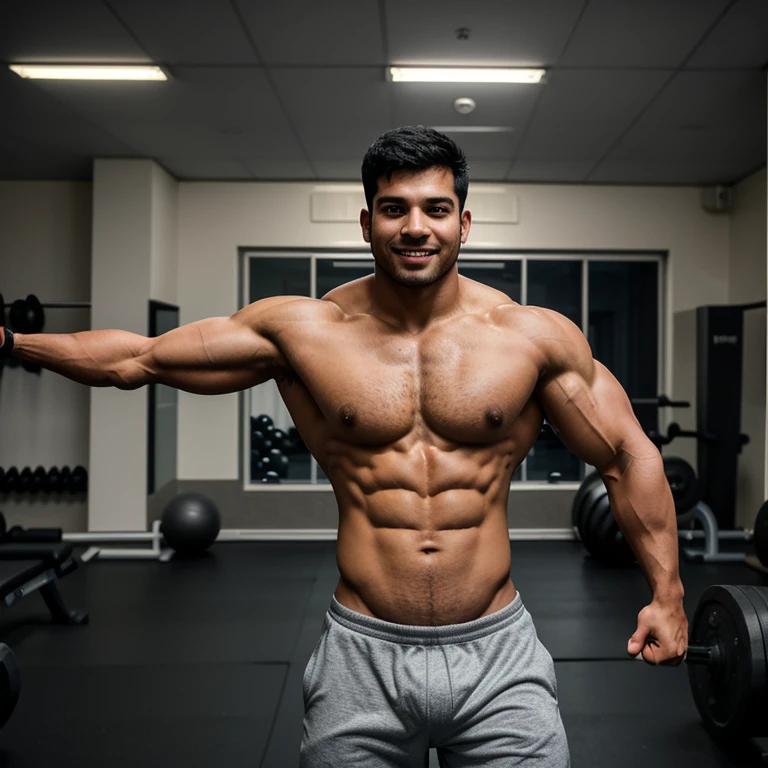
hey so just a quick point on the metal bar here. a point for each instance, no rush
(84, 538)
(62, 304)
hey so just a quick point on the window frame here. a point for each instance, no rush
(467, 254)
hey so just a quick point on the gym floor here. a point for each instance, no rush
(199, 663)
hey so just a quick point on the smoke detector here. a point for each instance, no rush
(464, 105)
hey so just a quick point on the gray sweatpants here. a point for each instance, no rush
(483, 693)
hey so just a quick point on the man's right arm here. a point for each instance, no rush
(212, 356)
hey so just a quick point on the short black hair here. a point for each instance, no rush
(414, 148)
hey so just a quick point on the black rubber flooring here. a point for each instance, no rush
(199, 663)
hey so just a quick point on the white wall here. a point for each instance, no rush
(134, 240)
(50, 225)
(215, 219)
(747, 283)
(45, 249)
(164, 230)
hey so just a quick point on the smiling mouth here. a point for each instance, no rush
(414, 254)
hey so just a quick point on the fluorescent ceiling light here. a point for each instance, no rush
(473, 128)
(469, 75)
(87, 72)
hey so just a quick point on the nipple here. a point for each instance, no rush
(494, 417)
(348, 415)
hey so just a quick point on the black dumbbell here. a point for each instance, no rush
(38, 480)
(261, 422)
(52, 481)
(9, 480)
(78, 481)
(280, 463)
(65, 475)
(24, 483)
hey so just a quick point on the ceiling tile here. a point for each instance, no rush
(491, 169)
(582, 112)
(702, 123)
(191, 168)
(485, 146)
(196, 140)
(187, 31)
(560, 170)
(44, 166)
(502, 32)
(211, 95)
(739, 40)
(337, 170)
(337, 112)
(498, 105)
(282, 168)
(672, 171)
(224, 110)
(628, 33)
(297, 32)
(75, 31)
(50, 125)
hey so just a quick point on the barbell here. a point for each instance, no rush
(28, 315)
(726, 660)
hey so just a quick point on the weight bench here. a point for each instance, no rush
(26, 568)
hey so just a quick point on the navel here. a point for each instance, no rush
(348, 415)
(494, 417)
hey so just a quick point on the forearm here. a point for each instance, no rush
(95, 358)
(642, 503)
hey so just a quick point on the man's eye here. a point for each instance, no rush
(438, 209)
(392, 209)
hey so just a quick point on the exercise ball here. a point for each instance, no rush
(190, 523)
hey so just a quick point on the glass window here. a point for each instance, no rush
(623, 327)
(554, 285)
(333, 272)
(274, 444)
(504, 276)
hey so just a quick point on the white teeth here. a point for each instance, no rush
(416, 253)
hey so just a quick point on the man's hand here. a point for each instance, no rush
(662, 633)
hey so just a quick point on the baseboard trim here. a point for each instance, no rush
(329, 534)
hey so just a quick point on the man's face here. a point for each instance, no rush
(414, 227)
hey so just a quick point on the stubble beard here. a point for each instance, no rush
(439, 266)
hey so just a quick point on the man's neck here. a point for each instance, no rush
(413, 309)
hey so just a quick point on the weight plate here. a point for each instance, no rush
(760, 537)
(595, 492)
(10, 683)
(758, 596)
(683, 483)
(584, 488)
(728, 694)
(610, 546)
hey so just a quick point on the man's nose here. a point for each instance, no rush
(416, 225)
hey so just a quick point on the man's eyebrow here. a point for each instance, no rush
(402, 200)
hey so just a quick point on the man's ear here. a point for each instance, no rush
(365, 224)
(466, 223)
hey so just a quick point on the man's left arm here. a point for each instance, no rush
(593, 417)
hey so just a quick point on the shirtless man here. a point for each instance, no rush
(419, 392)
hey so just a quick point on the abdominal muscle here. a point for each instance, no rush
(429, 561)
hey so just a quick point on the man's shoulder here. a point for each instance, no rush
(559, 342)
(276, 311)
(536, 322)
